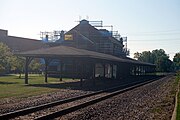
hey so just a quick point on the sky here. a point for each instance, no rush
(147, 24)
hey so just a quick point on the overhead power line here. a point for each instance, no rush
(167, 32)
(153, 34)
(164, 31)
(169, 39)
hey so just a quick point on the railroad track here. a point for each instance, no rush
(62, 107)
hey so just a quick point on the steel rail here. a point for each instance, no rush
(88, 103)
(59, 102)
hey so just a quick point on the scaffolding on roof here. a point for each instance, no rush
(51, 36)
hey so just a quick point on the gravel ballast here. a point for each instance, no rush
(16, 104)
(151, 101)
(148, 102)
(12, 104)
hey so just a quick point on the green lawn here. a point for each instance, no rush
(178, 106)
(13, 86)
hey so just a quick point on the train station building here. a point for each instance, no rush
(84, 52)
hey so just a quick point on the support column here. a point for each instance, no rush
(47, 61)
(61, 65)
(144, 67)
(28, 61)
(142, 70)
(139, 70)
(94, 70)
(119, 71)
(74, 69)
(81, 65)
(26, 71)
(104, 67)
(46, 65)
(81, 80)
(94, 73)
(112, 71)
(135, 70)
(145, 72)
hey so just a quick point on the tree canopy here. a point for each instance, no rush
(157, 57)
(176, 61)
(11, 63)
(6, 58)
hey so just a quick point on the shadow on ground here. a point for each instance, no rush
(8, 82)
(93, 85)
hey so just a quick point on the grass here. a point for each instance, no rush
(178, 106)
(167, 101)
(13, 86)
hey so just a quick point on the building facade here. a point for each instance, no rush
(86, 36)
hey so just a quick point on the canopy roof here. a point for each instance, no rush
(65, 51)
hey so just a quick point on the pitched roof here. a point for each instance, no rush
(86, 30)
(91, 34)
(19, 44)
(64, 51)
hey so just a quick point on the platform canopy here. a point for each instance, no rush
(65, 52)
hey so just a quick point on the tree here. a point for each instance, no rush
(18, 66)
(176, 61)
(159, 54)
(6, 58)
(146, 57)
(157, 57)
(137, 55)
(11, 63)
(164, 64)
(161, 59)
(35, 65)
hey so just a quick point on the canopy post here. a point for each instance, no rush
(27, 62)
(93, 73)
(47, 61)
(112, 76)
(61, 66)
(104, 70)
